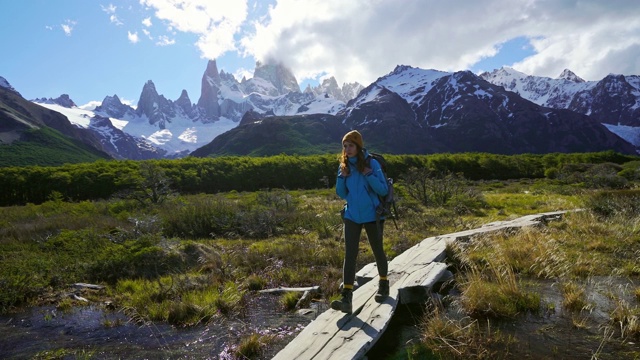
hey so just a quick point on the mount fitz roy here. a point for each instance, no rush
(160, 127)
(409, 110)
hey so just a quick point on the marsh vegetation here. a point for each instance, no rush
(198, 261)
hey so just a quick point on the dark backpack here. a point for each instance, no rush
(387, 207)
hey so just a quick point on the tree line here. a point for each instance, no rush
(103, 179)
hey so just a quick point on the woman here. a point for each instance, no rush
(360, 181)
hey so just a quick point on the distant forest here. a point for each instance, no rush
(104, 179)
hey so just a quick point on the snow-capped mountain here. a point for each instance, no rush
(112, 140)
(409, 110)
(614, 101)
(175, 128)
(417, 111)
(5, 84)
(462, 112)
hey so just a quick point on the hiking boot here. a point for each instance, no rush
(344, 304)
(383, 290)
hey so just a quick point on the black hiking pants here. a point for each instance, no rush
(352, 233)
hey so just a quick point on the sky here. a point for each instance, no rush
(90, 49)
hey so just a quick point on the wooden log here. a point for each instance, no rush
(280, 290)
(88, 286)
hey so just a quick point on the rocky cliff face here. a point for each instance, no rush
(62, 100)
(279, 76)
(155, 107)
(112, 106)
(210, 89)
(612, 100)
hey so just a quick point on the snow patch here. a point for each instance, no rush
(629, 133)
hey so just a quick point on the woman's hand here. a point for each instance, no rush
(344, 171)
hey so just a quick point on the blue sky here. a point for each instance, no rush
(92, 48)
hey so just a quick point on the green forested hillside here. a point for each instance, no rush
(46, 147)
(309, 135)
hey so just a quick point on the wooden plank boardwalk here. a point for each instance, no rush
(412, 274)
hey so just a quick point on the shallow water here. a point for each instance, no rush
(552, 334)
(83, 331)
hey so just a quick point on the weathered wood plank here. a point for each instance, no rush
(417, 285)
(314, 338)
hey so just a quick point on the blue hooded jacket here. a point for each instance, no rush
(361, 190)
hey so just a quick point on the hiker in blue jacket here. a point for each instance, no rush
(360, 181)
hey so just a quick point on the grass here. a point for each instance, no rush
(500, 276)
(195, 258)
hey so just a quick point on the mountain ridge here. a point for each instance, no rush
(408, 110)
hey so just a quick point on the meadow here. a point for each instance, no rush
(193, 259)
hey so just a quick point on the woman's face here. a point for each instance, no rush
(350, 148)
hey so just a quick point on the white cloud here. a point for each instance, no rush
(133, 37)
(360, 40)
(91, 105)
(243, 73)
(114, 20)
(109, 9)
(68, 26)
(147, 22)
(215, 22)
(164, 41)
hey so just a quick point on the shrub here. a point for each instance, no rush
(440, 189)
(615, 203)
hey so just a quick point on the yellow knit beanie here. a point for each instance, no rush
(354, 136)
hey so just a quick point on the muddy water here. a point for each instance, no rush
(91, 332)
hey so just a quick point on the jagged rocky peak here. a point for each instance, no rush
(111, 101)
(112, 106)
(351, 90)
(401, 68)
(571, 76)
(5, 84)
(209, 88)
(184, 103)
(184, 98)
(156, 107)
(149, 88)
(148, 96)
(211, 74)
(330, 86)
(278, 75)
(62, 100)
(503, 72)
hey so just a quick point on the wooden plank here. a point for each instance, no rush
(363, 328)
(416, 287)
(314, 338)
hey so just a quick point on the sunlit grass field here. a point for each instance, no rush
(193, 258)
